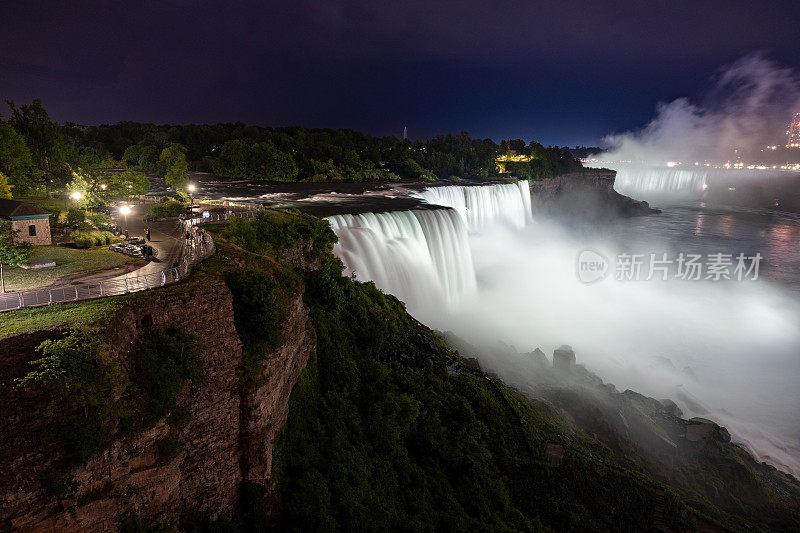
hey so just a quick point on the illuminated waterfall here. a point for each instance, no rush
(420, 256)
(646, 182)
(482, 205)
(424, 255)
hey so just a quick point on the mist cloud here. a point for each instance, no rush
(747, 109)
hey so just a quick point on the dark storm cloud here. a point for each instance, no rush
(560, 72)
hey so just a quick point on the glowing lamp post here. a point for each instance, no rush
(124, 210)
(191, 188)
(75, 196)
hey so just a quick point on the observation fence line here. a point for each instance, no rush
(191, 253)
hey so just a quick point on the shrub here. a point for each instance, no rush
(98, 238)
(85, 227)
(168, 209)
(101, 221)
(108, 237)
(82, 240)
(181, 197)
(75, 216)
(77, 388)
(256, 306)
(57, 485)
(169, 448)
(162, 364)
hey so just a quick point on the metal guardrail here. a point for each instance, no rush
(190, 255)
(222, 217)
(110, 287)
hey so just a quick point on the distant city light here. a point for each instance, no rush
(793, 133)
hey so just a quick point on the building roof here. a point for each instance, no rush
(10, 209)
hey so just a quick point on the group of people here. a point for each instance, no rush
(195, 235)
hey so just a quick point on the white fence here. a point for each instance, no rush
(109, 287)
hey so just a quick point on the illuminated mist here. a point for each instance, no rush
(751, 103)
(724, 351)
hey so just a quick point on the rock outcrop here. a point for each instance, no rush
(227, 442)
(588, 194)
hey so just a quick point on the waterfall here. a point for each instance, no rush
(646, 182)
(419, 256)
(482, 205)
(424, 255)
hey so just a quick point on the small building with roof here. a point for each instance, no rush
(32, 223)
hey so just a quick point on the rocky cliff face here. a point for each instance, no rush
(588, 194)
(228, 440)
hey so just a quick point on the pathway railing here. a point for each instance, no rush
(192, 252)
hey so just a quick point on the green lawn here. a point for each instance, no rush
(54, 316)
(68, 261)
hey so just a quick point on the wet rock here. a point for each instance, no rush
(538, 357)
(564, 358)
(699, 429)
(671, 408)
(472, 363)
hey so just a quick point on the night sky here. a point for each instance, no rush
(562, 73)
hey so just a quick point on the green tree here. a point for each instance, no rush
(172, 165)
(123, 184)
(86, 184)
(12, 253)
(5, 187)
(269, 163)
(148, 159)
(44, 138)
(260, 161)
(15, 160)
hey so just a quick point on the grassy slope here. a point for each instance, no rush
(68, 261)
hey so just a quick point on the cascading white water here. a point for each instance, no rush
(646, 182)
(418, 256)
(424, 254)
(482, 205)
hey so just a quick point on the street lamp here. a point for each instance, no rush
(124, 210)
(75, 196)
(191, 188)
(103, 186)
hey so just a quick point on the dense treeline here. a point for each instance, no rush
(36, 152)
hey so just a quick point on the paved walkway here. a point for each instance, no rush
(170, 264)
